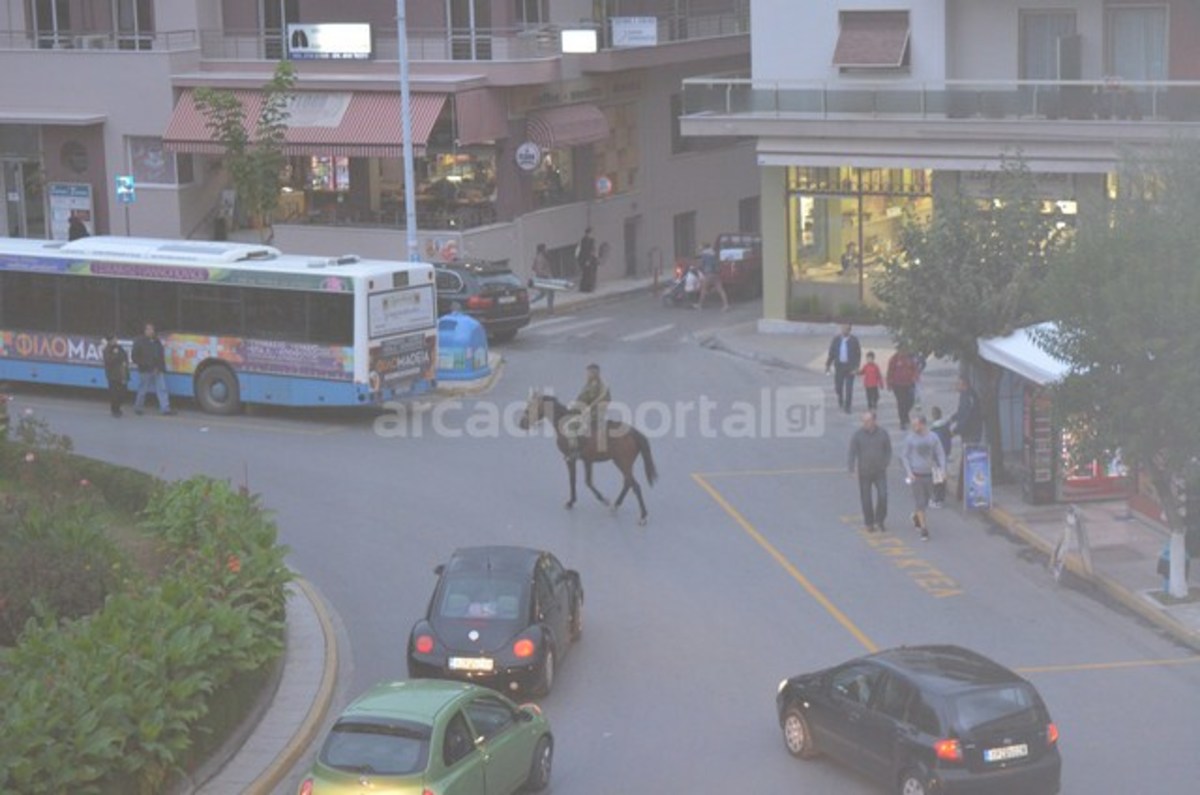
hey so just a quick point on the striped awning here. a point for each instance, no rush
(328, 123)
(569, 125)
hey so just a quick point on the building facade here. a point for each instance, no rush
(865, 112)
(516, 143)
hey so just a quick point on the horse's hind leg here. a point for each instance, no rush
(587, 478)
(571, 478)
(637, 492)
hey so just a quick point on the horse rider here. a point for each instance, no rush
(592, 405)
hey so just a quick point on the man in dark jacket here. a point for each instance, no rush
(845, 355)
(151, 361)
(967, 423)
(116, 372)
(870, 453)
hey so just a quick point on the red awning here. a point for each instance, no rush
(570, 125)
(872, 40)
(331, 123)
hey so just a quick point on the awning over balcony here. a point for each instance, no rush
(872, 40)
(330, 123)
(569, 125)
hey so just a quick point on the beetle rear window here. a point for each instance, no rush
(379, 749)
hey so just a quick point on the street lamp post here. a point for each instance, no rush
(410, 190)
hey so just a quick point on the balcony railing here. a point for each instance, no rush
(128, 41)
(479, 44)
(1071, 100)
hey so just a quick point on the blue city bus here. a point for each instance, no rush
(240, 323)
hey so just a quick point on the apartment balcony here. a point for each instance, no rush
(1064, 126)
(91, 40)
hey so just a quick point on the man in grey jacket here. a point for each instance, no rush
(924, 460)
(870, 453)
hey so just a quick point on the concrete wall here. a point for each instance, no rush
(795, 40)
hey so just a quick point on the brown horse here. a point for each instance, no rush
(620, 443)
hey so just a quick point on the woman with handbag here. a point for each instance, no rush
(924, 462)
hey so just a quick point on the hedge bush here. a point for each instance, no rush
(108, 702)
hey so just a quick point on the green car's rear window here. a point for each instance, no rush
(376, 748)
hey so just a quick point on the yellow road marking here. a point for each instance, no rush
(1106, 666)
(761, 540)
(771, 472)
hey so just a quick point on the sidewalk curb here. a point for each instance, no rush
(597, 299)
(714, 342)
(1109, 586)
(306, 733)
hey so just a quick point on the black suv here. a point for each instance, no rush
(488, 292)
(926, 719)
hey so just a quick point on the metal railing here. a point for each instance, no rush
(1072, 100)
(442, 44)
(124, 41)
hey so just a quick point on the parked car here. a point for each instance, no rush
(487, 291)
(926, 719)
(499, 616)
(740, 256)
(428, 736)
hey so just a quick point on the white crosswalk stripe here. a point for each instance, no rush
(550, 321)
(652, 332)
(566, 328)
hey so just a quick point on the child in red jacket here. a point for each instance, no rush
(872, 379)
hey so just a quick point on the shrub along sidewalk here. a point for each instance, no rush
(117, 665)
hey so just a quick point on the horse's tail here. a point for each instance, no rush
(643, 445)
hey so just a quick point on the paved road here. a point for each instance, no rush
(751, 569)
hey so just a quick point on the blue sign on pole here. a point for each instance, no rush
(977, 477)
(126, 194)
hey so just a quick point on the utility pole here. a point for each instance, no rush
(410, 188)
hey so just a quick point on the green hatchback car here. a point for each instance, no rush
(432, 737)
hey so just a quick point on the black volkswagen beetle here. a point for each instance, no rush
(926, 719)
(500, 616)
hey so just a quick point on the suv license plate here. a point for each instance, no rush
(485, 664)
(1006, 753)
(508, 299)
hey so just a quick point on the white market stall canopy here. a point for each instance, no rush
(1020, 353)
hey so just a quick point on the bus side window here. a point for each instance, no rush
(29, 302)
(331, 318)
(139, 303)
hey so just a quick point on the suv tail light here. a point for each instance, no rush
(307, 787)
(1051, 734)
(480, 302)
(948, 750)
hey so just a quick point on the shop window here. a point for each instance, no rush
(553, 180)
(150, 163)
(331, 174)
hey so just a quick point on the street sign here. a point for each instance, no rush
(125, 189)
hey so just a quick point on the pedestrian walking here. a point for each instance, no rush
(542, 270)
(849, 258)
(585, 258)
(924, 463)
(872, 378)
(870, 454)
(902, 381)
(967, 424)
(710, 271)
(845, 356)
(941, 429)
(116, 372)
(151, 360)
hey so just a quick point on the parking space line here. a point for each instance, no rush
(641, 335)
(1106, 666)
(551, 321)
(737, 473)
(567, 328)
(787, 565)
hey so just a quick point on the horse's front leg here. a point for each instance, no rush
(587, 478)
(571, 479)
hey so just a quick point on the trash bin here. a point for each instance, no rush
(462, 348)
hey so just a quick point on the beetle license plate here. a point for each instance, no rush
(484, 664)
(1006, 753)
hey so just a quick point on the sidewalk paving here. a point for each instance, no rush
(1124, 547)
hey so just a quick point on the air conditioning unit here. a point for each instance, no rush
(98, 41)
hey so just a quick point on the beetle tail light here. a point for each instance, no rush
(1051, 734)
(307, 787)
(524, 648)
(948, 750)
(424, 644)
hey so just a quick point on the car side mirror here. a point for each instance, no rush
(524, 716)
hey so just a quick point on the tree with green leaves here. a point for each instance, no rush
(971, 272)
(1126, 300)
(255, 157)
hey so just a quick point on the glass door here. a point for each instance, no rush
(24, 202)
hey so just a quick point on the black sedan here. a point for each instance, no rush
(499, 616)
(488, 292)
(926, 719)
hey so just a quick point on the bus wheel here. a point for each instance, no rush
(217, 390)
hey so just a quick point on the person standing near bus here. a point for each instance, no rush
(116, 372)
(151, 360)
